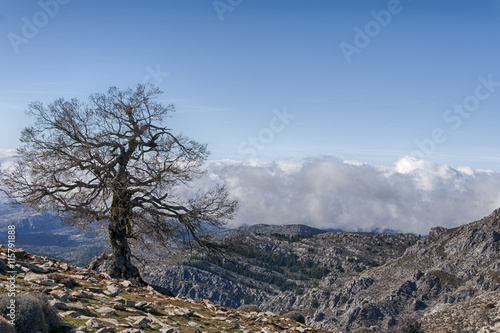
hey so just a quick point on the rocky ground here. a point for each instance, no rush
(480, 314)
(91, 302)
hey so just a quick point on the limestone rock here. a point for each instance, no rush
(113, 290)
(106, 311)
(142, 322)
(33, 277)
(59, 305)
(93, 323)
(106, 330)
(169, 330)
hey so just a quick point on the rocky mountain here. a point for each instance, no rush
(343, 281)
(280, 268)
(448, 266)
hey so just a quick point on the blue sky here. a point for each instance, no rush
(270, 79)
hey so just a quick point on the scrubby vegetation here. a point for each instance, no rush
(210, 265)
(280, 270)
(5, 326)
(33, 313)
(68, 281)
(291, 238)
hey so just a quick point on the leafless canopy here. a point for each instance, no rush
(111, 161)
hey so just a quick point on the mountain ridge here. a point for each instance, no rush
(373, 280)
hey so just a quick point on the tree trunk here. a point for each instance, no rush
(121, 266)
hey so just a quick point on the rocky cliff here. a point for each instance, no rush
(344, 281)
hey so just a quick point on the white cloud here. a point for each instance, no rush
(411, 196)
(7, 156)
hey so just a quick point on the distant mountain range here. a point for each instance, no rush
(45, 234)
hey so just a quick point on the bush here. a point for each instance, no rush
(5, 326)
(68, 281)
(249, 308)
(33, 313)
(295, 315)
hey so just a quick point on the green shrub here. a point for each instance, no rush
(249, 308)
(33, 313)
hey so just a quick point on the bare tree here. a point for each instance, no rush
(112, 163)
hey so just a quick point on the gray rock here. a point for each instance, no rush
(106, 311)
(33, 277)
(72, 314)
(184, 312)
(106, 330)
(374, 279)
(93, 323)
(110, 321)
(169, 330)
(81, 329)
(112, 290)
(59, 305)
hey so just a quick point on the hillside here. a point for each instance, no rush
(90, 302)
(447, 267)
(338, 281)
(280, 271)
(342, 281)
(480, 314)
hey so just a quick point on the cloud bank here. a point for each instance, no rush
(412, 196)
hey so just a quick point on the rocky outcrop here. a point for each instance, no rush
(373, 280)
(447, 267)
(280, 269)
(479, 314)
